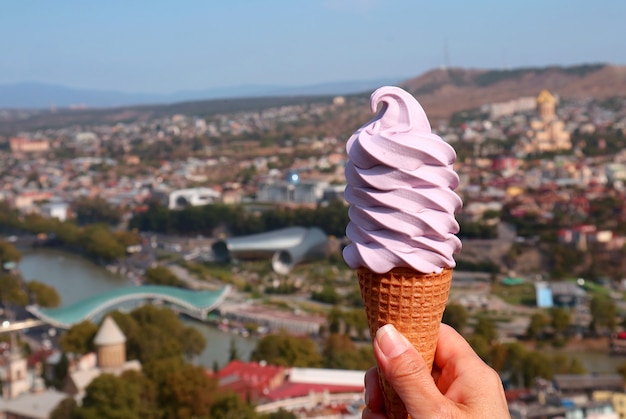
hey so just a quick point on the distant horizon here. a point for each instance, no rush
(303, 85)
(165, 47)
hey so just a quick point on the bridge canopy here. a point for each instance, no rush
(194, 303)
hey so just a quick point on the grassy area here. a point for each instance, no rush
(593, 288)
(522, 294)
(204, 271)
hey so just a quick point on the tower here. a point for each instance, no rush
(546, 104)
(15, 377)
(110, 345)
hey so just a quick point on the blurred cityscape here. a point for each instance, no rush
(249, 206)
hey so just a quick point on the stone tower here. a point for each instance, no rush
(110, 345)
(15, 374)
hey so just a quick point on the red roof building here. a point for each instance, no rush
(252, 381)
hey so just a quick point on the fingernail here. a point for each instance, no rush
(390, 341)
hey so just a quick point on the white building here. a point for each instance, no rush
(193, 196)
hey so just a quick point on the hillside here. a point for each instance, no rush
(445, 91)
(441, 92)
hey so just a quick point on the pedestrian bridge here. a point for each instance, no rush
(196, 304)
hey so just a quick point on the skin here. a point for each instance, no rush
(461, 385)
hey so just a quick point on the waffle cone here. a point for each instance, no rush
(414, 303)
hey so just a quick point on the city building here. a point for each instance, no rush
(546, 134)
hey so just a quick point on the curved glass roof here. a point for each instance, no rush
(192, 302)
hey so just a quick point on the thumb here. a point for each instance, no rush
(408, 374)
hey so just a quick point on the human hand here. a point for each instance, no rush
(461, 385)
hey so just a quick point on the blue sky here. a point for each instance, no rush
(165, 46)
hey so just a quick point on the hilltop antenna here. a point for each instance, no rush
(446, 55)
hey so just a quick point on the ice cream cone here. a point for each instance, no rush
(414, 303)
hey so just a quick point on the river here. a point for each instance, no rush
(75, 278)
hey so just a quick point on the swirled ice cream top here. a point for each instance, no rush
(400, 188)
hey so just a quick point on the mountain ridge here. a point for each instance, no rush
(443, 92)
(35, 95)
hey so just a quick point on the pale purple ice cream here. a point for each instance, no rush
(400, 189)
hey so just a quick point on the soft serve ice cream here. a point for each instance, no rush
(400, 186)
(402, 228)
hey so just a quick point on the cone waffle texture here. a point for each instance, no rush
(414, 303)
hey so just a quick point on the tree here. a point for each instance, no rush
(233, 352)
(286, 350)
(11, 290)
(95, 210)
(538, 321)
(340, 352)
(334, 319)
(187, 392)
(281, 414)
(230, 406)
(536, 364)
(160, 275)
(79, 338)
(328, 295)
(8, 253)
(455, 315)
(154, 333)
(603, 312)
(130, 395)
(486, 328)
(560, 319)
(60, 372)
(97, 241)
(43, 294)
(65, 410)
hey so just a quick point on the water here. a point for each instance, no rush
(75, 278)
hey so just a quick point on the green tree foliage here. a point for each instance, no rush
(187, 392)
(481, 346)
(281, 414)
(603, 313)
(286, 350)
(538, 322)
(65, 410)
(155, 333)
(486, 328)
(161, 275)
(94, 241)
(560, 320)
(233, 352)
(95, 210)
(473, 230)
(128, 396)
(230, 406)
(340, 352)
(331, 218)
(352, 321)
(328, 295)
(60, 372)
(8, 253)
(43, 294)
(522, 366)
(455, 315)
(536, 364)
(11, 290)
(79, 338)
(98, 242)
